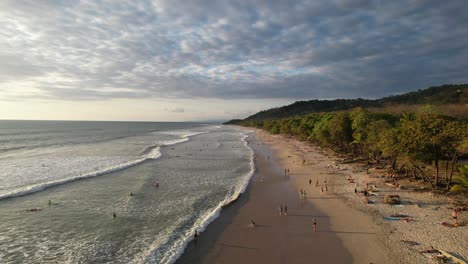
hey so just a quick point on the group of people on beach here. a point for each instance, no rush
(283, 210)
(302, 194)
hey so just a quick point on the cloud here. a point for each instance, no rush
(229, 50)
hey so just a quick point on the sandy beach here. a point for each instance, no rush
(344, 234)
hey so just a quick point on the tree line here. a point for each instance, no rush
(408, 142)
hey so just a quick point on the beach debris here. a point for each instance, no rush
(451, 257)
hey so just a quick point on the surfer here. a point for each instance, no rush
(114, 215)
(35, 209)
(131, 194)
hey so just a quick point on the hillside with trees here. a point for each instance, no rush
(425, 144)
(453, 97)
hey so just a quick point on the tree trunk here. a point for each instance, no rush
(423, 175)
(446, 171)
(394, 160)
(454, 161)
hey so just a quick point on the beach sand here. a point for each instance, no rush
(344, 234)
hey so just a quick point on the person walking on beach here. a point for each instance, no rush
(314, 224)
(285, 210)
(326, 188)
(310, 181)
(252, 223)
(316, 183)
(321, 190)
(280, 209)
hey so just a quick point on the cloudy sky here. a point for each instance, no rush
(213, 60)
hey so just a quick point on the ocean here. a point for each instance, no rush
(163, 181)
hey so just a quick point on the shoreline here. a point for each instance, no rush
(284, 239)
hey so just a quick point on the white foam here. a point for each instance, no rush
(153, 154)
(201, 224)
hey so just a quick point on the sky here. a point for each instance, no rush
(198, 60)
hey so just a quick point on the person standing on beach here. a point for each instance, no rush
(285, 210)
(316, 183)
(310, 181)
(455, 216)
(314, 223)
(280, 209)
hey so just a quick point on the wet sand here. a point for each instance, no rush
(344, 235)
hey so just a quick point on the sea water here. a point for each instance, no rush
(180, 175)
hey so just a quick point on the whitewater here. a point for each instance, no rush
(180, 176)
